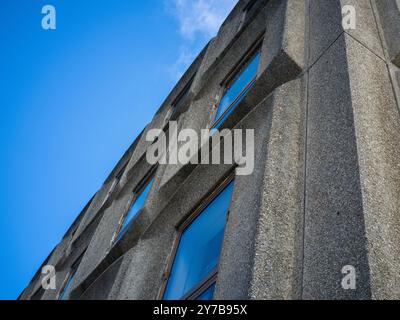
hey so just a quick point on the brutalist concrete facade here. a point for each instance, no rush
(325, 191)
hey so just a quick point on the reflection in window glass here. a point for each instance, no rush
(238, 89)
(137, 205)
(208, 294)
(199, 248)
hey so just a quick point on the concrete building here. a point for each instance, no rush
(319, 218)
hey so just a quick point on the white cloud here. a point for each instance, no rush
(200, 16)
(186, 57)
(198, 20)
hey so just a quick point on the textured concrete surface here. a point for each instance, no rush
(204, 106)
(276, 273)
(377, 126)
(326, 25)
(284, 45)
(237, 253)
(281, 61)
(396, 84)
(325, 191)
(334, 221)
(389, 13)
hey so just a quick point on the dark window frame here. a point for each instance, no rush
(121, 172)
(180, 227)
(203, 286)
(233, 75)
(72, 272)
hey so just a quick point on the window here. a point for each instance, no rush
(71, 277)
(183, 94)
(138, 203)
(237, 88)
(68, 285)
(114, 183)
(194, 270)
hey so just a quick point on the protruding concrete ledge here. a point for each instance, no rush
(389, 13)
(283, 54)
(147, 260)
(278, 249)
(283, 59)
(153, 246)
(101, 241)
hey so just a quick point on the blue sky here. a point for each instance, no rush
(73, 99)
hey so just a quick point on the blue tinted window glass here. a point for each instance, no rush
(221, 121)
(200, 247)
(239, 85)
(137, 205)
(208, 294)
(67, 287)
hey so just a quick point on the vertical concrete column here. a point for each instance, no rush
(277, 268)
(389, 13)
(377, 127)
(352, 164)
(334, 220)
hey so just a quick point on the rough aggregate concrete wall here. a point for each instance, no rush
(325, 191)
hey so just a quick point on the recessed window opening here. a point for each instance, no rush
(193, 273)
(183, 94)
(139, 199)
(238, 85)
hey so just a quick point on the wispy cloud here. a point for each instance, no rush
(198, 21)
(200, 16)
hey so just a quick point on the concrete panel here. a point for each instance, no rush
(101, 288)
(366, 31)
(334, 217)
(326, 26)
(389, 13)
(377, 126)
